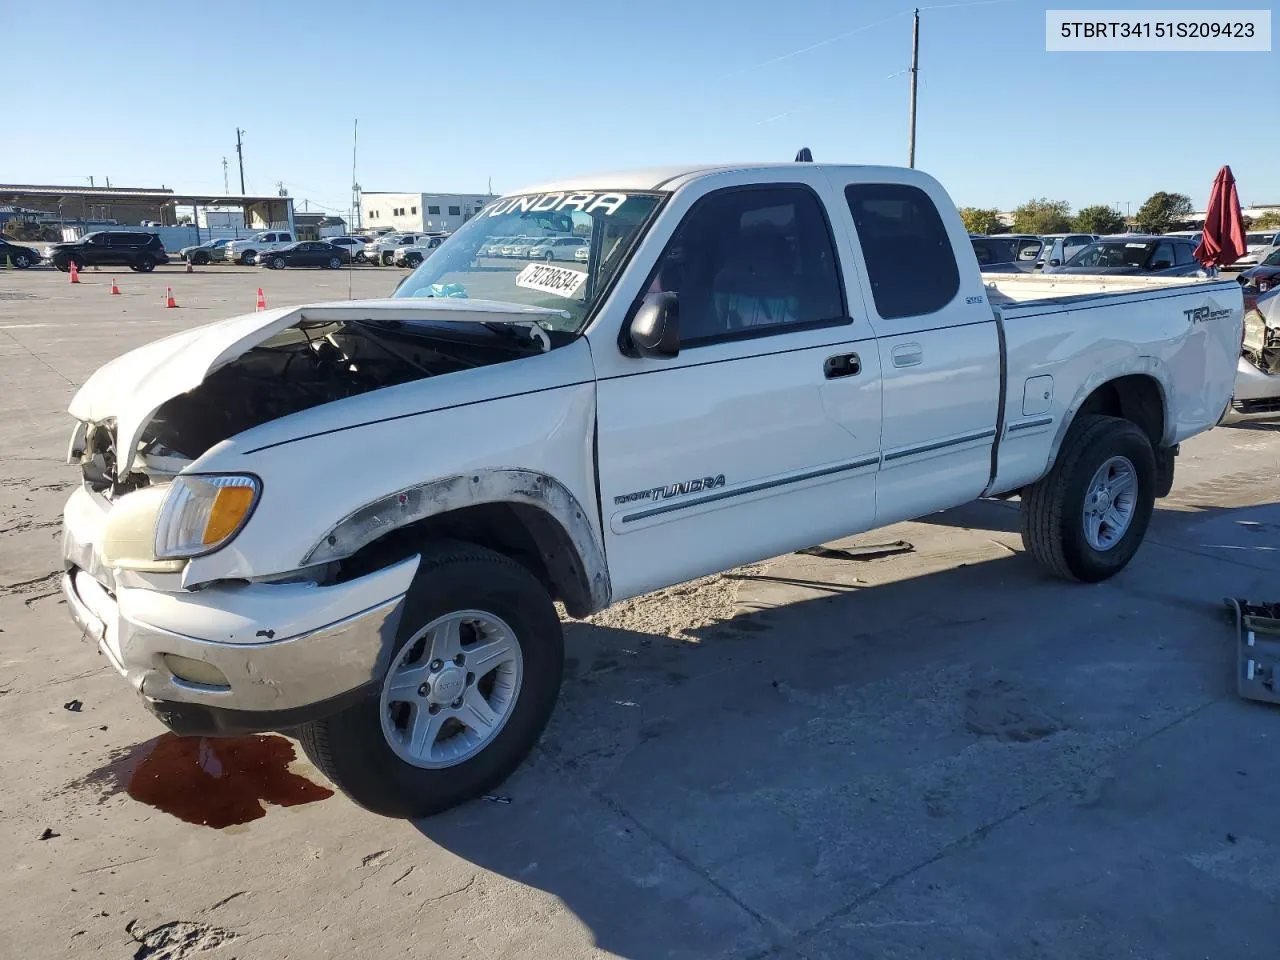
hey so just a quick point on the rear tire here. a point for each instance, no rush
(1055, 510)
(334, 263)
(351, 747)
(146, 263)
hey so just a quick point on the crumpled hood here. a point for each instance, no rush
(133, 387)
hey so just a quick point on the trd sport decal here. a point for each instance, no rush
(673, 490)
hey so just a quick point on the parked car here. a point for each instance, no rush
(556, 248)
(413, 255)
(353, 245)
(207, 252)
(519, 246)
(492, 249)
(382, 251)
(1061, 247)
(17, 254)
(137, 251)
(1134, 254)
(1259, 245)
(249, 249)
(1257, 388)
(1265, 276)
(366, 545)
(582, 254)
(305, 253)
(998, 255)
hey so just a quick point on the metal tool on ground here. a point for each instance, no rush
(168, 297)
(262, 301)
(115, 290)
(1257, 649)
(75, 272)
(868, 551)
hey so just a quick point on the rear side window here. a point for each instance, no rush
(910, 263)
(1183, 253)
(746, 262)
(286, 238)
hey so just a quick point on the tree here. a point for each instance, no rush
(1162, 210)
(1098, 219)
(981, 220)
(1042, 216)
(184, 220)
(1269, 220)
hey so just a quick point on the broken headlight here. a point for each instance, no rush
(202, 513)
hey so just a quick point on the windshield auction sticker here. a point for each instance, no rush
(558, 281)
(1133, 31)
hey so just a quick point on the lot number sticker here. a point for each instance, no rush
(558, 281)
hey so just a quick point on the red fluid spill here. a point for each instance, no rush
(216, 781)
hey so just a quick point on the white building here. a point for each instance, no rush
(419, 211)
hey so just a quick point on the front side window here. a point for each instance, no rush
(1122, 253)
(750, 261)
(910, 263)
(1183, 254)
(464, 266)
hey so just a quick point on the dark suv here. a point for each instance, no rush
(137, 251)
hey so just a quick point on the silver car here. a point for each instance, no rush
(556, 248)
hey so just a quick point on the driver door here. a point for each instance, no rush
(762, 435)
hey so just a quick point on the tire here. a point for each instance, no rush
(146, 263)
(335, 263)
(200, 259)
(21, 261)
(63, 265)
(387, 258)
(249, 257)
(351, 747)
(1053, 512)
(548, 256)
(277, 263)
(78, 263)
(413, 262)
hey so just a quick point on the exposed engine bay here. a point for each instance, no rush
(304, 366)
(1261, 346)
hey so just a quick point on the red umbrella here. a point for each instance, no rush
(1222, 242)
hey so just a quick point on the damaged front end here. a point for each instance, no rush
(1257, 389)
(146, 416)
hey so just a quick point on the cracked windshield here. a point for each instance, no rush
(553, 250)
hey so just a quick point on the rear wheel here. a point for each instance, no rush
(1085, 519)
(334, 263)
(472, 682)
(146, 263)
(21, 261)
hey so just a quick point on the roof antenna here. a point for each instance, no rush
(804, 156)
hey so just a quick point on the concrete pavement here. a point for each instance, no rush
(941, 753)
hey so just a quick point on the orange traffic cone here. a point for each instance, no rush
(168, 297)
(262, 301)
(189, 270)
(115, 291)
(75, 274)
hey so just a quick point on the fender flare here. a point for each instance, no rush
(1151, 367)
(435, 497)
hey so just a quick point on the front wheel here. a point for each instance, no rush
(21, 261)
(1085, 519)
(200, 259)
(277, 263)
(470, 687)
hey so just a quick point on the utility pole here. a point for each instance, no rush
(91, 182)
(108, 183)
(915, 73)
(355, 184)
(226, 188)
(240, 154)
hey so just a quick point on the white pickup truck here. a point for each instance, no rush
(351, 520)
(248, 249)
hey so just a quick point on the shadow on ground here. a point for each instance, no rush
(782, 779)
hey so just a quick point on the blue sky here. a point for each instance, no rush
(456, 93)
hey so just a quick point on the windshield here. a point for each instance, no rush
(1273, 259)
(478, 261)
(1112, 255)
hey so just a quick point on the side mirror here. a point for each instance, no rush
(1055, 262)
(655, 328)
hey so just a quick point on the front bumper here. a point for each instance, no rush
(288, 652)
(1256, 396)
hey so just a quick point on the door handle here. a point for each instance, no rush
(907, 355)
(843, 365)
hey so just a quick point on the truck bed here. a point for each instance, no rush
(1013, 291)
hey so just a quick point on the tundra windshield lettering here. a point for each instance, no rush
(508, 252)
